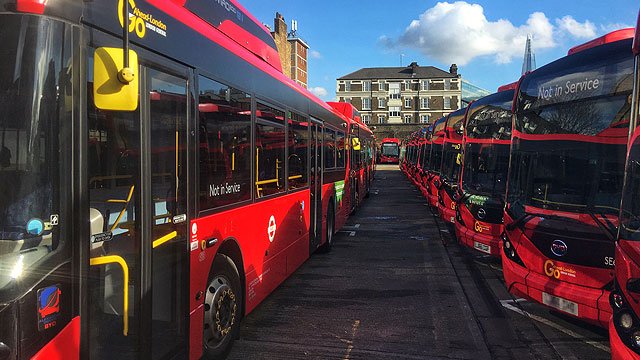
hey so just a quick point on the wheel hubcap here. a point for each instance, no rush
(220, 310)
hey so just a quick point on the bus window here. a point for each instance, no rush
(340, 148)
(270, 144)
(298, 151)
(225, 140)
(329, 149)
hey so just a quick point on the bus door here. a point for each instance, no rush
(138, 220)
(315, 167)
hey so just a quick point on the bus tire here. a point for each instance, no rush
(222, 308)
(331, 221)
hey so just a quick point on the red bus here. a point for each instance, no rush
(389, 151)
(422, 175)
(360, 166)
(150, 201)
(570, 130)
(450, 168)
(624, 332)
(482, 184)
(435, 161)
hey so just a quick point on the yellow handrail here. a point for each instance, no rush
(164, 239)
(125, 202)
(110, 259)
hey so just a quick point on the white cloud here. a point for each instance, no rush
(586, 30)
(459, 32)
(314, 54)
(613, 26)
(318, 91)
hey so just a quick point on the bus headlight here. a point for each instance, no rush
(626, 321)
(636, 338)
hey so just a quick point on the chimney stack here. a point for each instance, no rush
(453, 70)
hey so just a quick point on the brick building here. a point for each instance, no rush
(401, 95)
(293, 50)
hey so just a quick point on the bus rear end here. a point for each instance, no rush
(565, 180)
(486, 143)
(624, 329)
(451, 161)
(389, 151)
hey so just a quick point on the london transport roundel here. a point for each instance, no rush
(271, 230)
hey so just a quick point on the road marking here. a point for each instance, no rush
(351, 233)
(444, 231)
(507, 304)
(354, 330)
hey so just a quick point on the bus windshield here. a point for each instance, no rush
(30, 77)
(488, 134)
(570, 133)
(630, 214)
(390, 149)
(435, 159)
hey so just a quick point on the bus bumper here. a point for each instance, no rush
(588, 304)
(485, 243)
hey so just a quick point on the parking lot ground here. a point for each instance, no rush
(398, 286)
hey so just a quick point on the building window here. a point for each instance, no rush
(407, 119)
(381, 119)
(366, 86)
(406, 85)
(366, 119)
(407, 102)
(382, 103)
(424, 103)
(447, 103)
(347, 86)
(394, 90)
(366, 103)
(447, 84)
(347, 100)
(394, 110)
(425, 85)
(424, 119)
(381, 86)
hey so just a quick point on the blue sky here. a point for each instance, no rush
(485, 39)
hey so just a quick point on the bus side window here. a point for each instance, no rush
(329, 148)
(340, 148)
(298, 151)
(224, 144)
(270, 151)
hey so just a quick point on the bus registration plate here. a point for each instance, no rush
(482, 247)
(560, 304)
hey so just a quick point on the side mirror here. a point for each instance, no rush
(114, 87)
(355, 143)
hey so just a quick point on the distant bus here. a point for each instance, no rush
(486, 142)
(566, 172)
(624, 328)
(450, 168)
(389, 151)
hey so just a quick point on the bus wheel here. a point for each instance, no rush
(330, 227)
(222, 308)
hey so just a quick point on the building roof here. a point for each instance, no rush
(413, 71)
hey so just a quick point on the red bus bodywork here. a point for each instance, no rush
(487, 137)
(450, 169)
(435, 161)
(625, 297)
(556, 251)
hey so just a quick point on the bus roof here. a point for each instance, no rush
(511, 86)
(605, 39)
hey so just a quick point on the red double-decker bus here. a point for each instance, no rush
(422, 175)
(450, 168)
(149, 201)
(389, 151)
(569, 138)
(482, 184)
(436, 137)
(624, 328)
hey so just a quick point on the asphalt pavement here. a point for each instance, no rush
(398, 286)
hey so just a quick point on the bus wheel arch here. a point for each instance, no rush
(224, 301)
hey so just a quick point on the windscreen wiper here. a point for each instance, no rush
(608, 232)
